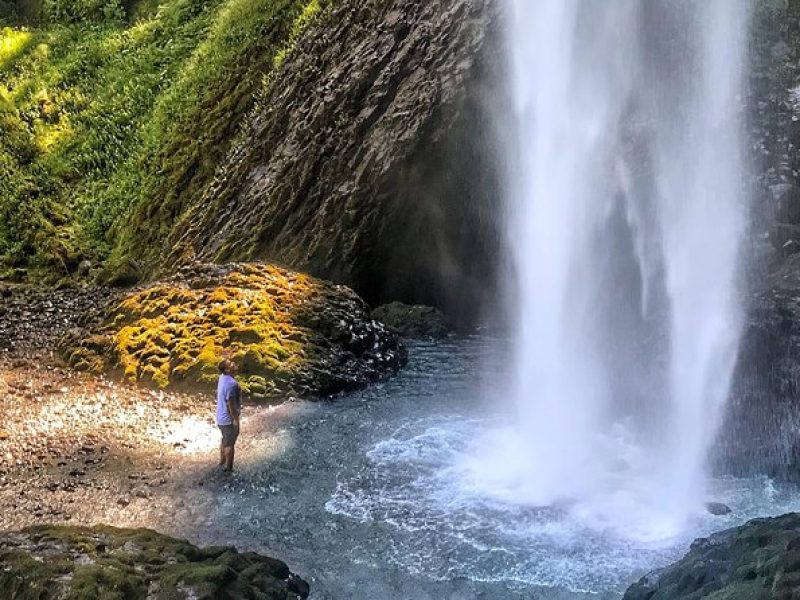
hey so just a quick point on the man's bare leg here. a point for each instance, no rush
(221, 455)
(229, 454)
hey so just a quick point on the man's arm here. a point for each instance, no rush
(233, 408)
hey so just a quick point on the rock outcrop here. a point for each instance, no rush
(757, 561)
(413, 321)
(371, 160)
(290, 333)
(758, 435)
(75, 563)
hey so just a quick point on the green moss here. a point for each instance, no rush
(127, 564)
(108, 582)
(303, 20)
(172, 333)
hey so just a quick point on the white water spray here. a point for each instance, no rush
(625, 220)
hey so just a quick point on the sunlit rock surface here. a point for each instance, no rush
(291, 334)
(72, 563)
(759, 560)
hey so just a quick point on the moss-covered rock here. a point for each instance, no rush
(290, 333)
(757, 561)
(77, 563)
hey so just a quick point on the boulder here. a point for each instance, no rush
(718, 508)
(757, 561)
(84, 268)
(123, 273)
(72, 563)
(291, 334)
(413, 321)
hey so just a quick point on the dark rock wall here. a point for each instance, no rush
(760, 432)
(372, 159)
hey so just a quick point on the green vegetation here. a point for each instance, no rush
(171, 334)
(114, 116)
(78, 563)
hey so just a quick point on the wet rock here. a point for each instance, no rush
(786, 198)
(755, 438)
(718, 508)
(413, 321)
(298, 586)
(760, 559)
(785, 238)
(84, 267)
(290, 333)
(780, 50)
(45, 563)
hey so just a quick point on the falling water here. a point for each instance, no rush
(625, 221)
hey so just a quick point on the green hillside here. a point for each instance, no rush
(114, 116)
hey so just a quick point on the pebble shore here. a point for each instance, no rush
(81, 449)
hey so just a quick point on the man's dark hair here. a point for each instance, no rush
(224, 365)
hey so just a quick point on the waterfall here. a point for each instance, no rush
(625, 219)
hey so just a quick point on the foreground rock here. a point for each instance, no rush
(71, 563)
(759, 560)
(413, 321)
(291, 334)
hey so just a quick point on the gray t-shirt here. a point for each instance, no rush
(227, 389)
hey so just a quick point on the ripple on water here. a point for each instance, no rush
(420, 481)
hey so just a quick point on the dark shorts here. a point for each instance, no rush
(229, 435)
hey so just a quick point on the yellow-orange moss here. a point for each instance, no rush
(171, 333)
(290, 333)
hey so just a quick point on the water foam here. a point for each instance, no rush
(421, 481)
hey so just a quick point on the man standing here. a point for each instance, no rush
(229, 408)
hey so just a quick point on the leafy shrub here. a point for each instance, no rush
(73, 11)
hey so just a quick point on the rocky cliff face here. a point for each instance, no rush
(370, 160)
(763, 405)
